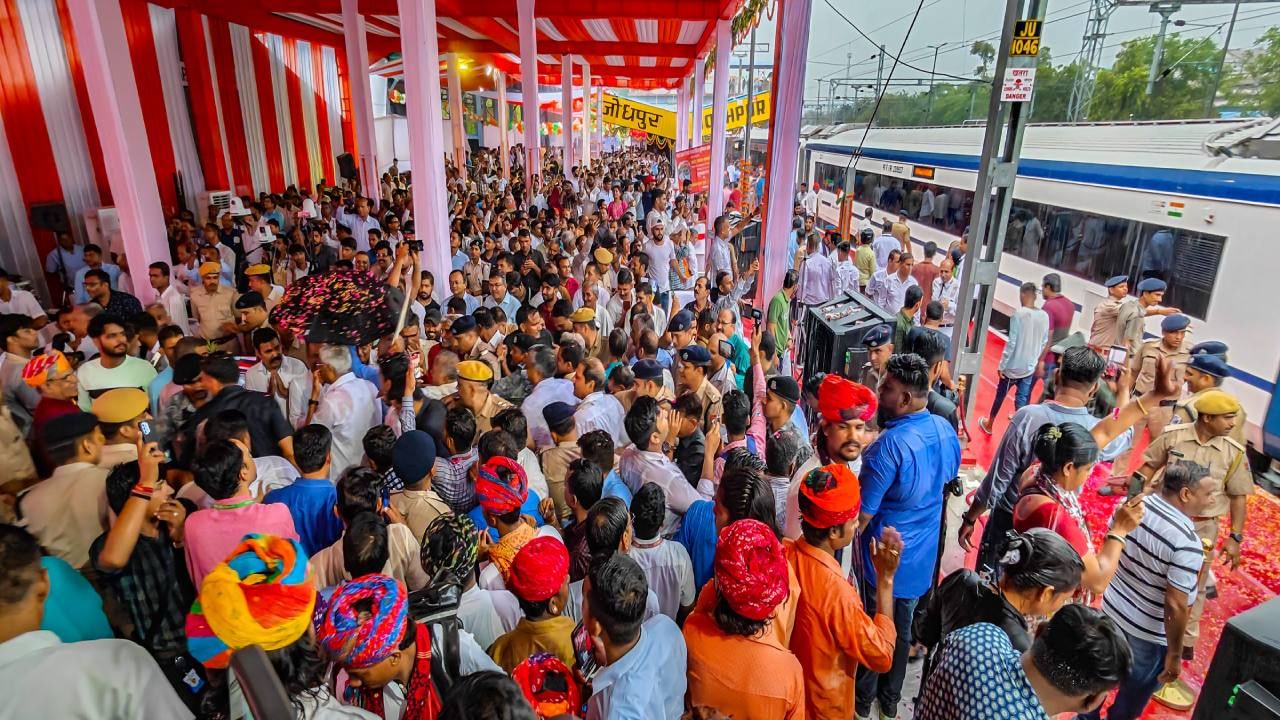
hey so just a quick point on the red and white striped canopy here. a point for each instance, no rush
(644, 44)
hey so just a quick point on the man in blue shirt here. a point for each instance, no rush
(312, 497)
(903, 474)
(93, 261)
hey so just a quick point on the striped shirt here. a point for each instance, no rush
(1162, 552)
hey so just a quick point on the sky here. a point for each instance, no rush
(960, 22)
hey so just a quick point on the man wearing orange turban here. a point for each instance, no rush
(833, 634)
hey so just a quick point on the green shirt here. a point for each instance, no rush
(780, 316)
(902, 327)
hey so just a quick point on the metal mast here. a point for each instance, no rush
(1095, 33)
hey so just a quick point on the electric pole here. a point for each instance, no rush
(1222, 61)
(879, 71)
(1166, 10)
(1007, 113)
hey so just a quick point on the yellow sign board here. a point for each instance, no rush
(639, 116)
(1026, 39)
(658, 121)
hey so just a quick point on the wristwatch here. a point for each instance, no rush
(1237, 536)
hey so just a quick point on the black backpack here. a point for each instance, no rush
(437, 604)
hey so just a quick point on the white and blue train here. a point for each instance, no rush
(1196, 203)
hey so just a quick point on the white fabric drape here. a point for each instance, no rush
(48, 55)
(247, 87)
(280, 93)
(164, 29)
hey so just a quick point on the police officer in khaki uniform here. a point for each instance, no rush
(694, 362)
(879, 344)
(682, 332)
(1104, 331)
(1208, 442)
(467, 343)
(1205, 372)
(213, 309)
(584, 323)
(1171, 345)
(1131, 319)
(474, 380)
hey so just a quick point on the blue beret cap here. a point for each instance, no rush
(647, 369)
(1152, 285)
(680, 322)
(1174, 323)
(413, 455)
(557, 412)
(696, 354)
(879, 335)
(1209, 365)
(1210, 347)
(1116, 280)
(466, 323)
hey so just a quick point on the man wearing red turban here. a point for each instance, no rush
(539, 578)
(844, 409)
(735, 665)
(501, 488)
(833, 634)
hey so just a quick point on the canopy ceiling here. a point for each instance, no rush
(643, 44)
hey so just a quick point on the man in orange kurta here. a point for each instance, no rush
(735, 664)
(833, 634)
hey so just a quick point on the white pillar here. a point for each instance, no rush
(719, 103)
(455, 116)
(421, 51)
(361, 99)
(566, 113)
(529, 91)
(586, 113)
(790, 48)
(699, 84)
(682, 116)
(504, 137)
(113, 96)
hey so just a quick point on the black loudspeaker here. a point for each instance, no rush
(1244, 676)
(833, 333)
(50, 216)
(347, 166)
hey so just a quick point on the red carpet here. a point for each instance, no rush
(1257, 580)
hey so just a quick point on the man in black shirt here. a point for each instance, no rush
(116, 304)
(269, 431)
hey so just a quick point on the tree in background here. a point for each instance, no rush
(1258, 88)
(1184, 81)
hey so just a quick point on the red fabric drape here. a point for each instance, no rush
(200, 89)
(146, 72)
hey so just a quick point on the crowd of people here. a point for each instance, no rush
(585, 476)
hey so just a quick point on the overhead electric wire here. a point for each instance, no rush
(897, 59)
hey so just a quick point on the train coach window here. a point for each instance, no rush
(1095, 247)
(829, 177)
(946, 208)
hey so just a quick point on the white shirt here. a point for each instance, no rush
(601, 411)
(488, 614)
(21, 302)
(134, 372)
(949, 291)
(637, 467)
(528, 460)
(359, 227)
(719, 259)
(348, 407)
(296, 378)
(95, 679)
(274, 472)
(883, 246)
(175, 304)
(667, 565)
(810, 202)
(847, 276)
(660, 255)
(889, 291)
(544, 393)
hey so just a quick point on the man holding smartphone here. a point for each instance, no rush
(119, 413)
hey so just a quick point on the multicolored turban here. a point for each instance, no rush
(830, 496)
(498, 496)
(38, 369)
(449, 548)
(260, 595)
(750, 570)
(548, 685)
(841, 400)
(356, 643)
(539, 569)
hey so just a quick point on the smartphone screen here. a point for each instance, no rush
(726, 349)
(1117, 357)
(582, 652)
